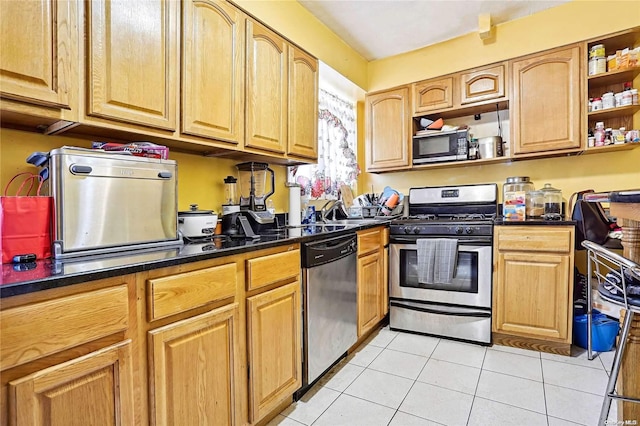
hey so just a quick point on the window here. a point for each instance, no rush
(337, 147)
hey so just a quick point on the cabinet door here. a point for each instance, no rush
(388, 130)
(482, 84)
(545, 102)
(275, 364)
(369, 292)
(193, 370)
(533, 294)
(266, 124)
(303, 104)
(132, 61)
(212, 70)
(39, 44)
(432, 95)
(95, 389)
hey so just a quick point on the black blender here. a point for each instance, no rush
(252, 178)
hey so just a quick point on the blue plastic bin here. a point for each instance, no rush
(603, 331)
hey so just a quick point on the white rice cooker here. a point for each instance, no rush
(196, 223)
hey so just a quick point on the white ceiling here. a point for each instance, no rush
(380, 28)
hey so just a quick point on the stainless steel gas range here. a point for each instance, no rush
(460, 307)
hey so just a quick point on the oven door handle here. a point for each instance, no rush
(435, 311)
(401, 240)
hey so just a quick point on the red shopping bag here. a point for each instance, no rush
(25, 221)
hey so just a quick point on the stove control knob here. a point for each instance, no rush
(406, 230)
(468, 230)
(416, 230)
(458, 230)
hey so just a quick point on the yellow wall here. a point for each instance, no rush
(200, 179)
(572, 22)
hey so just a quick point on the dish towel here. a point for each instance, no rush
(437, 258)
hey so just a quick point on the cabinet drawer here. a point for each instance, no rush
(535, 238)
(34, 331)
(270, 269)
(369, 240)
(181, 292)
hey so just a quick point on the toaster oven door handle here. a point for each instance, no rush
(79, 169)
(165, 175)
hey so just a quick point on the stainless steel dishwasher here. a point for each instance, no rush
(329, 304)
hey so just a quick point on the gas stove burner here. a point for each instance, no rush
(471, 216)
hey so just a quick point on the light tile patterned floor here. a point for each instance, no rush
(402, 379)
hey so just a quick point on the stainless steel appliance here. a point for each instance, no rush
(106, 202)
(441, 146)
(329, 309)
(254, 194)
(460, 309)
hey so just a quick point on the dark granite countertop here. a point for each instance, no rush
(45, 274)
(533, 222)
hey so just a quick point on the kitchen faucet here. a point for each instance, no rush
(324, 212)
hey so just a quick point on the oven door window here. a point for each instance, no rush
(465, 278)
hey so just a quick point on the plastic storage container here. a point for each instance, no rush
(603, 332)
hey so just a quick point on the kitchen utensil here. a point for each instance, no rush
(195, 223)
(230, 203)
(347, 196)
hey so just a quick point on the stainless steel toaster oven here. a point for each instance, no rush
(106, 202)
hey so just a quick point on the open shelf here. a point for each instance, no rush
(612, 77)
(462, 163)
(605, 114)
(611, 148)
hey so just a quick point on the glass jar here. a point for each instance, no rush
(535, 203)
(552, 202)
(517, 184)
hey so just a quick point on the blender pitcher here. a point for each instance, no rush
(253, 184)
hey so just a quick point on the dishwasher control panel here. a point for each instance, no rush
(328, 250)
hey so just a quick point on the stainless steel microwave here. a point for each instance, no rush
(441, 146)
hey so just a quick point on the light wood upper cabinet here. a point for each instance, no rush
(432, 95)
(132, 61)
(482, 84)
(194, 370)
(39, 51)
(303, 104)
(274, 354)
(266, 88)
(94, 389)
(545, 106)
(388, 130)
(213, 48)
(533, 282)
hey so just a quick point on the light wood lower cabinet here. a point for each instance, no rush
(274, 353)
(533, 286)
(95, 389)
(372, 296)
(194, 370)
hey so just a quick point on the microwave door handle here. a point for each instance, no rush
(476, 314)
